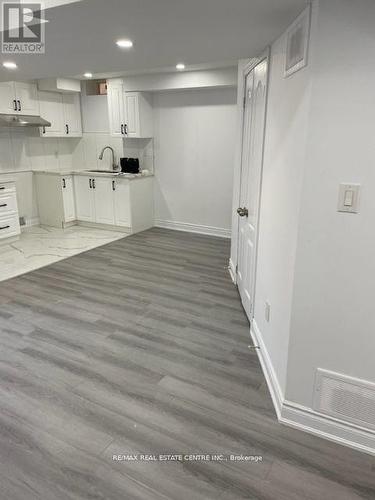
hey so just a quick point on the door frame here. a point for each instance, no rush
(247, 68)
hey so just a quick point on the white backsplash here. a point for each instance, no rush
(86, 154)
(24, 150)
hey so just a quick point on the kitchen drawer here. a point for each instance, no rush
(8, 204)
(9, 226)
(7, 187)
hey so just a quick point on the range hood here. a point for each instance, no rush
(22, 121)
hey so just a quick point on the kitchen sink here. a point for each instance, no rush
(102, 171)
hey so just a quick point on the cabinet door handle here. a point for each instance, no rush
(3, 205)
(4, 227)
(113, 186)
(90, 183)
(19, 105)
(2, 187)
(126, 129)
(93, 183)
(14, 105)
(67, 129)
(122, 129)
(64, 183)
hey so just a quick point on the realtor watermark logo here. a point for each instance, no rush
(23, 28)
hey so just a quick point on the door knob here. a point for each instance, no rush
(243, 212)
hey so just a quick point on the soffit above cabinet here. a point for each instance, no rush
(63, 85)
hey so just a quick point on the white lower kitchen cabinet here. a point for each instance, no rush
(104, 200)
(140, 208)
(115, 201)
(121, 203)
(94, 199)
(68, 198)
(85, 210)
(9, 221)
(55, 196)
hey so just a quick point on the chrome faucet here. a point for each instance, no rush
(114, 166)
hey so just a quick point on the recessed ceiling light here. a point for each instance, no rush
(88, 75)
(180, 66)
(10, 65)
(124, 44)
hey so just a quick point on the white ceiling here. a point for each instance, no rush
(80, 36)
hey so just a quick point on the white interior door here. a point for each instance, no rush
(251, 177)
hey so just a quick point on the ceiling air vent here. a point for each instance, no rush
(345, 398)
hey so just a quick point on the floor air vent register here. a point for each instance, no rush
(345, 398)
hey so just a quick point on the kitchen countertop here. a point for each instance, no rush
(92, 173)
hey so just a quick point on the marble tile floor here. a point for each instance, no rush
(39, 246)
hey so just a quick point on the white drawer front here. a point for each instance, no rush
(8, 204)
(7, 187)
(9, 226)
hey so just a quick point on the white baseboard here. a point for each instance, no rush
(268, 369)
(232, 271)
(308, 420)
(304, 418)
(31, 221)
(193, 228)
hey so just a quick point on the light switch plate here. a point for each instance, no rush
(349, 198)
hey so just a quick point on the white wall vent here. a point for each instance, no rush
(345, 398)
(297, 41)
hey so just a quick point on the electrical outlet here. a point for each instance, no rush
(267, 312)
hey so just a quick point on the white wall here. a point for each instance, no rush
(284, 160)
(333, 320)
(316, 266)
(194, 156)
(94, 113)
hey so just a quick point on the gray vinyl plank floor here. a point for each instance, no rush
(140, 347)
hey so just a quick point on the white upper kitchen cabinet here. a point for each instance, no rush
(19, 98)
(63, 111)
(130, 113)
(51, 109)
(138, 115)
(27, 98)
(8, 102)
(116, 109)
(72, 115)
